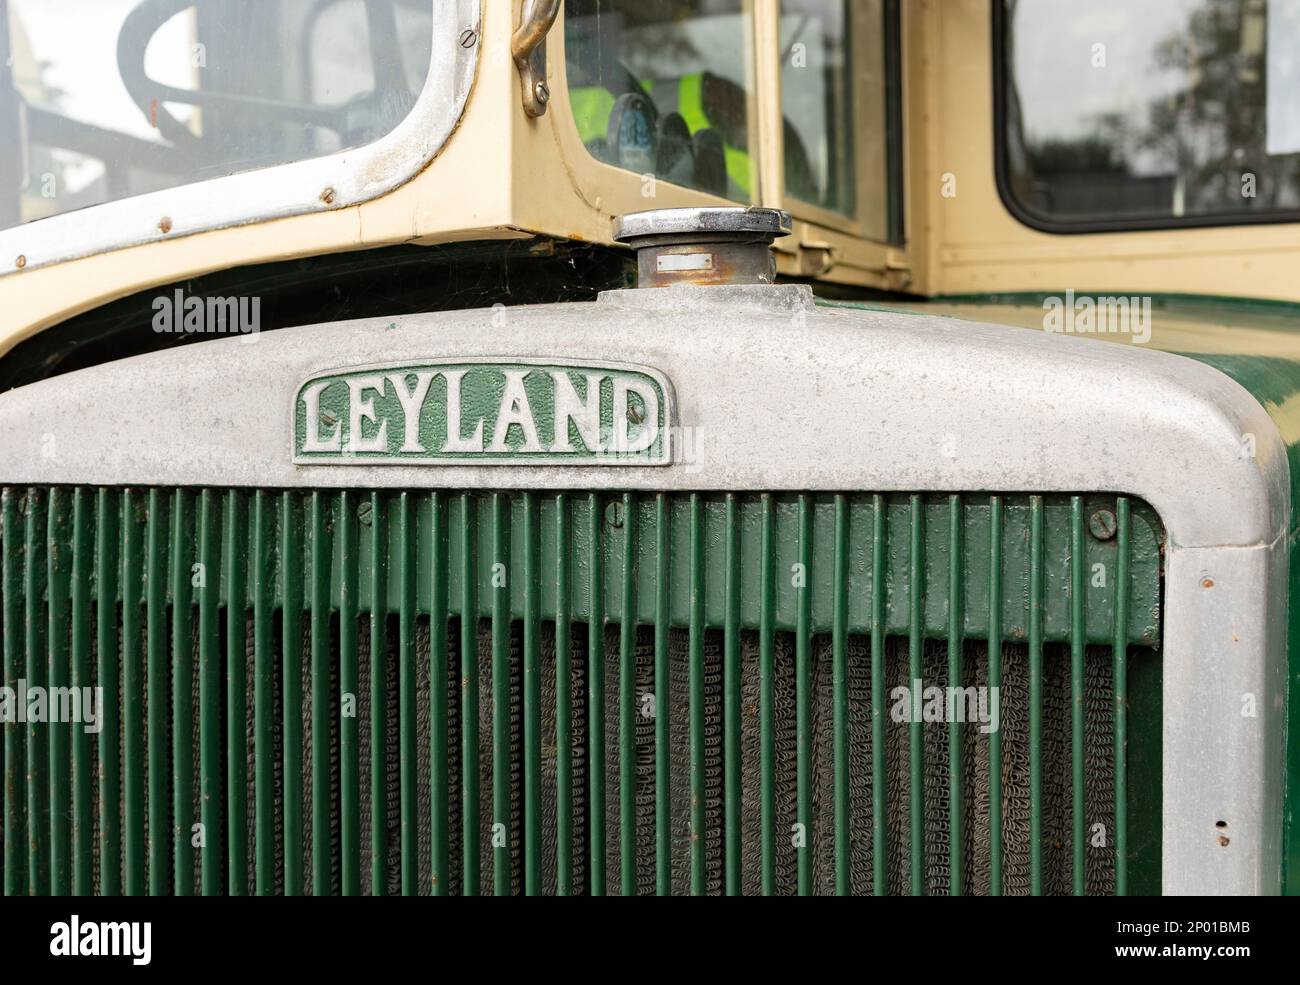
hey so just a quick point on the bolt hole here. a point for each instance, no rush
(1220, 824)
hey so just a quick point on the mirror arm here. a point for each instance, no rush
(528, 48)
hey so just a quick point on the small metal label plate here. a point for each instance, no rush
(484, 412)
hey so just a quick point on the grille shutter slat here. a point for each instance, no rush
(407, 692)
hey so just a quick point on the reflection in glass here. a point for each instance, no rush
(1165, 109)
(818, 78)
(104, 99)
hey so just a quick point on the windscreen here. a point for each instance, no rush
(105, 99)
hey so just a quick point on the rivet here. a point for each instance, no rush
(1102, 525)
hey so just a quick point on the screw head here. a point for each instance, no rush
(327, 196)
(165, 224)
(542, 92)
(614, 514)
(468, 38)
(1102, 524)
(21, 261)
(364, 513)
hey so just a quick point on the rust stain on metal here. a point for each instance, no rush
(327, 196)
(21, 261)
(165, 224)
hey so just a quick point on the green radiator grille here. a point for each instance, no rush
(513, 692)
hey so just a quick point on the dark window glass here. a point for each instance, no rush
(1150, 113)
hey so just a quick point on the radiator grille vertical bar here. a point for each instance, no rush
(627, 703)
(563, 703)
(349, 683)
(663, 703)
(440, 811)
(379, 695)
(132, 697)
(1036, 695)
(696, 671)
(1077, 641)
(106, 588)
(263, 694)
(321, 847)
(38, 794)
(956, 772)
(731, 695)
(879, 594)
(182, 694)
(15, 850)
(501, 864)
(291, 591)
(236, 566)
(156, 577)
(1119, 675)
(915, 644)
(995, 686)
(469, 711)
(532, 698)
(209, 694)
(803, 694)
(83, 825)
(766, 696)
(408, 757)
(58, 558)
(840, 694)
(596, 690)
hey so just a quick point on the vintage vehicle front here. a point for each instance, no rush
(658, 447)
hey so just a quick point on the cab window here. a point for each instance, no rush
(817, 101)
(664, 88)
(105, 99)
(1115, 114)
